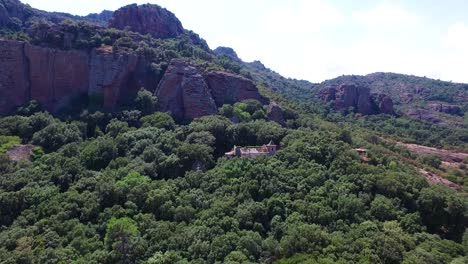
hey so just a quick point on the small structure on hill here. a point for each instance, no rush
(363, 153)
(252, 152)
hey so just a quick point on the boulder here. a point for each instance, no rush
(184, 93)
(147, 19)
(228, 88)
(276, 113)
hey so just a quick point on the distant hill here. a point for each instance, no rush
(417, 97)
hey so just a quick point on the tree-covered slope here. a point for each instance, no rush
(133, 184)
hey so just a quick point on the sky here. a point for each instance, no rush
(317, 40)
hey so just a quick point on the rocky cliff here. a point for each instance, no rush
(184, 92)
(187, 94)
(228, 88)
(109, 78)
(147, 19)
(346, 96)
(53, 77)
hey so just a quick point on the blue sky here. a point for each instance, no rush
(317, 40)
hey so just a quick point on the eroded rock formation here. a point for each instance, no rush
(187, 94)
(352, 96)
(147, 19)
(228, 88)
(184, 92)
(276, 113)
(53, 77)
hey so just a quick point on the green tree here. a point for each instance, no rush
(159, 120)
(119, 235)
(145, 101)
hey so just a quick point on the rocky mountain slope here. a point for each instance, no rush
(112, 64)
(416, 97)
(56, 71)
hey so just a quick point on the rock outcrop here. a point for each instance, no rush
(183, 92)
(147, 19)
(276, 113)
(446, 108)
(53, 77)
(14, 79)
(228, 88)
(187, 94)
(385, 104)
(111, 76)
(227, 52)
(348, 96)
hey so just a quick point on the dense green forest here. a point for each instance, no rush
(136, 186)
(106, 189)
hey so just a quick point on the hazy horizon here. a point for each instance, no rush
(318, 40)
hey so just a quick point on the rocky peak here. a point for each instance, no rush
(147, 19)
(227, 51)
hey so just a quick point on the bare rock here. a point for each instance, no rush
(54, 77)
(14, 79)
(276, 113)
(20, 152)
(228, 88)
(183, 92)
(385, 104)
(147, 19)
(111, 76)
(359, 98)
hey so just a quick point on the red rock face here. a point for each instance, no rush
(53, 77)
(228, 88)
(187, 94)
(360, 98)
(147, 19)
(183, 92)
(14, 80)
(111, 76)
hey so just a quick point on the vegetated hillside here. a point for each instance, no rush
(15, 15)
(133, 184)
(419, 98)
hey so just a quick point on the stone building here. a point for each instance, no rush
(252, 152)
